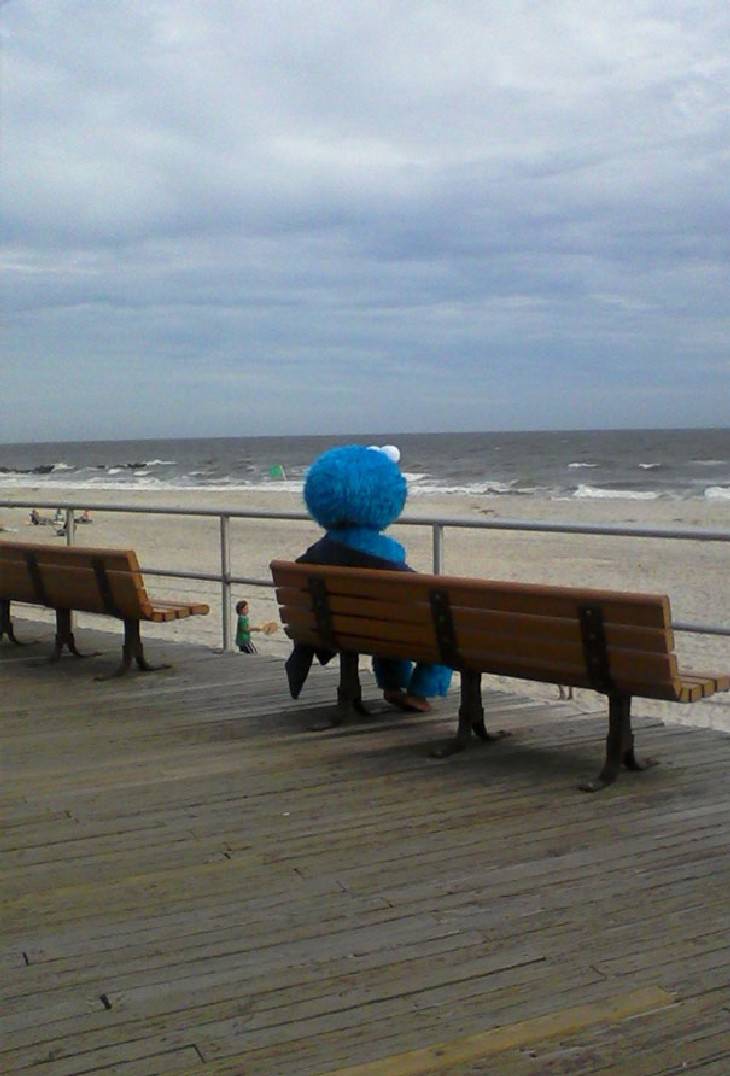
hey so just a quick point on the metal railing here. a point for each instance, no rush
(438, 525)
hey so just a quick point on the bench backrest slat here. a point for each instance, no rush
(84, 579)
(506, 645)
(297, 603)
(524, 630)
(644, 610)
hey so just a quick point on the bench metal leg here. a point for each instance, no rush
(619, 745)
(6, 624)
(65, 637)
(471, 718)
(132, 650)
(349, 693)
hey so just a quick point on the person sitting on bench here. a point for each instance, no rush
(356, 492)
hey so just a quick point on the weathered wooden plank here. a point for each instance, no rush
(646, 1046)
(524, 1033)
(298, 1049)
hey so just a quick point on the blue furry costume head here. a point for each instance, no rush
(356, 492)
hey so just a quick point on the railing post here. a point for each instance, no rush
(225, 522)
(70, 526)
(438, 548)
(70, 535)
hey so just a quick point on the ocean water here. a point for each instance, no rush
(635, 464)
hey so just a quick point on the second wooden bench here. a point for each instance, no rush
(70, 578)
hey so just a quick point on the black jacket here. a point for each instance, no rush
(329, 551)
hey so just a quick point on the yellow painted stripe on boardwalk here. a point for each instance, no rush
(446, 1055)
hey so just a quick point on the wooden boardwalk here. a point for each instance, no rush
(193, 883)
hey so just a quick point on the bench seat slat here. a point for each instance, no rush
(695, 686)
(691, 691)
(161, 612)
(720, 683)
(162, 616)
(180, 609)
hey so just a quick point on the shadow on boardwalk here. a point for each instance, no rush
(192, 882)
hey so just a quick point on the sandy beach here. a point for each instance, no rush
(696, 575)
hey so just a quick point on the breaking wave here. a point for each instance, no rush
(618, 494)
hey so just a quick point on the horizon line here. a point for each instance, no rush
(367, 434)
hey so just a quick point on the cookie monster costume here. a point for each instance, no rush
(355, 492)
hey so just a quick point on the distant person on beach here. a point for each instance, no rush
(356, 492)
(37, 519)
(244, 628)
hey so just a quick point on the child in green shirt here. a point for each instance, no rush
(243, 629)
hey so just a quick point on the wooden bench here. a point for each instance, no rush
(618, 644)
(70, 578)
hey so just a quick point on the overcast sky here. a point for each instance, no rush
(228, 217)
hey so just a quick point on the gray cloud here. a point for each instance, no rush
(277, 213)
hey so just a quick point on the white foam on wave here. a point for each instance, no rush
(709, 463)
(278, 487)
(160, 463)
(226, 485)
(582, 465)
(649, 466)
(38, 482)
(617, 494)
(138, 481)
(718, 493)
(10, 481)
(471, 490)
(62, 467)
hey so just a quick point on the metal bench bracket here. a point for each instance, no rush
(322, 613)
(594, 648)
(443, 625)
(105, 588)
